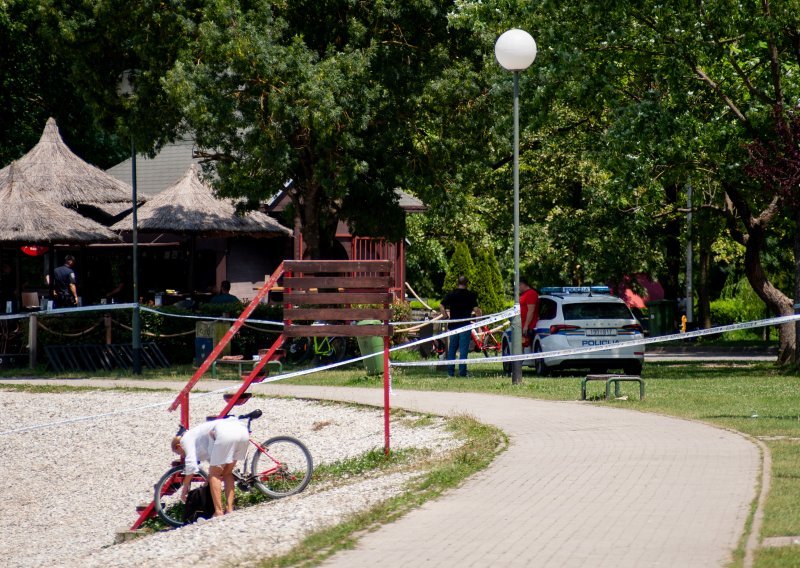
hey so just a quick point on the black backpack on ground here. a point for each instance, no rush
(199, 504)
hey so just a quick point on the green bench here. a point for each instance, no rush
(610, 379)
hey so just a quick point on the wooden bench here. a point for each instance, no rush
(610, 379)
(244, 364)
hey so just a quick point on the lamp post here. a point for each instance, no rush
(126, 89)
(515, 50)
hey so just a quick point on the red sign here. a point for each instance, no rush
(34, 250)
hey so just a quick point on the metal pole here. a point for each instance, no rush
(516, 323)
(689, 292)
(135, 321)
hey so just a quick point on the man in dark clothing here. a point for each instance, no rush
(461, 303)
(224, 296)
(64, 284)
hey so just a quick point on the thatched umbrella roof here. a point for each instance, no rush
(190, 207)
(28, 218)
(53, 170)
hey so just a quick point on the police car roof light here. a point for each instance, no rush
(575, 290)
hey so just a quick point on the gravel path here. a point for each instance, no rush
(67, 490)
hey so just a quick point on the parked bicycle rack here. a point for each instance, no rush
(96, 357)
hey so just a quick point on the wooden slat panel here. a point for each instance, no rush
(344, 314)
(297, 298)
(335, 330)
(337, 265)
(304, 283)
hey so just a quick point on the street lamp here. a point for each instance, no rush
(515, 50)
(125, 88)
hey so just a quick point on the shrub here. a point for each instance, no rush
(488, 283)
(461, 264)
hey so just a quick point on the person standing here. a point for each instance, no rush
(529, 310)
(65, 285)
(224, 296)
(461, 304)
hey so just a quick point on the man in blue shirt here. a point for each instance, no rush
(65, 285)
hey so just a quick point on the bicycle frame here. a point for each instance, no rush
(322, 346)
(248, 460)
(485, 340)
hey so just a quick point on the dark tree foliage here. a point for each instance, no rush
(36, 83)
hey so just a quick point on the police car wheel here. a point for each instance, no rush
(633, 368)
(541, 367)
(506, 349)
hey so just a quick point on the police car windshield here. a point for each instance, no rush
(597, 310)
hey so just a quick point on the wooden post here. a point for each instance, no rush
(387, 385)
(107, 323)
(32, 344)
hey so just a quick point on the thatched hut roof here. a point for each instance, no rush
(27, 218)
(190, 207)
(53, 170)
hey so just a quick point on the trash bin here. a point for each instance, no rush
(206, 335)
(371, 344)
(662, 317)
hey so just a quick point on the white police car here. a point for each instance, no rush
(583, 316)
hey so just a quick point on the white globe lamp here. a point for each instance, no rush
(515, 50)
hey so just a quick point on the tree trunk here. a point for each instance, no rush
(776, 300)
(796, 325)
(319, 221)
(703, 298)
(672, 245)
(309, 218)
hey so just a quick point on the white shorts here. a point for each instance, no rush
(230, 442)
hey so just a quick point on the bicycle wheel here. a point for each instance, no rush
(167, 495)
(299, 350)
(491, 346)
(336, 351)
(282, 466)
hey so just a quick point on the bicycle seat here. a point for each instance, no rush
(251, 415)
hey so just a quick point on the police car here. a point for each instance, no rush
(583, 316)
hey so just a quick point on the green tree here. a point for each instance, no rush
(488, 282)
(461, 264)
(335, 97)
(35, 84)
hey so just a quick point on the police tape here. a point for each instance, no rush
(127, 306)
(275, 378)
(131, 305)
(208, 318)
(605, 344)
(75, 310)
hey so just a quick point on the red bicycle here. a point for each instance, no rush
(279, 467)
(486, 341)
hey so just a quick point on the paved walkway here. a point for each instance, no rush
(580, 485)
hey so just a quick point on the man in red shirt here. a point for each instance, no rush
(529, 310)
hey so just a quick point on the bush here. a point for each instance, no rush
(488, 283)
(461, 264)
(739, 303)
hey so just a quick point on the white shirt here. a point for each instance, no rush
(196, 443)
